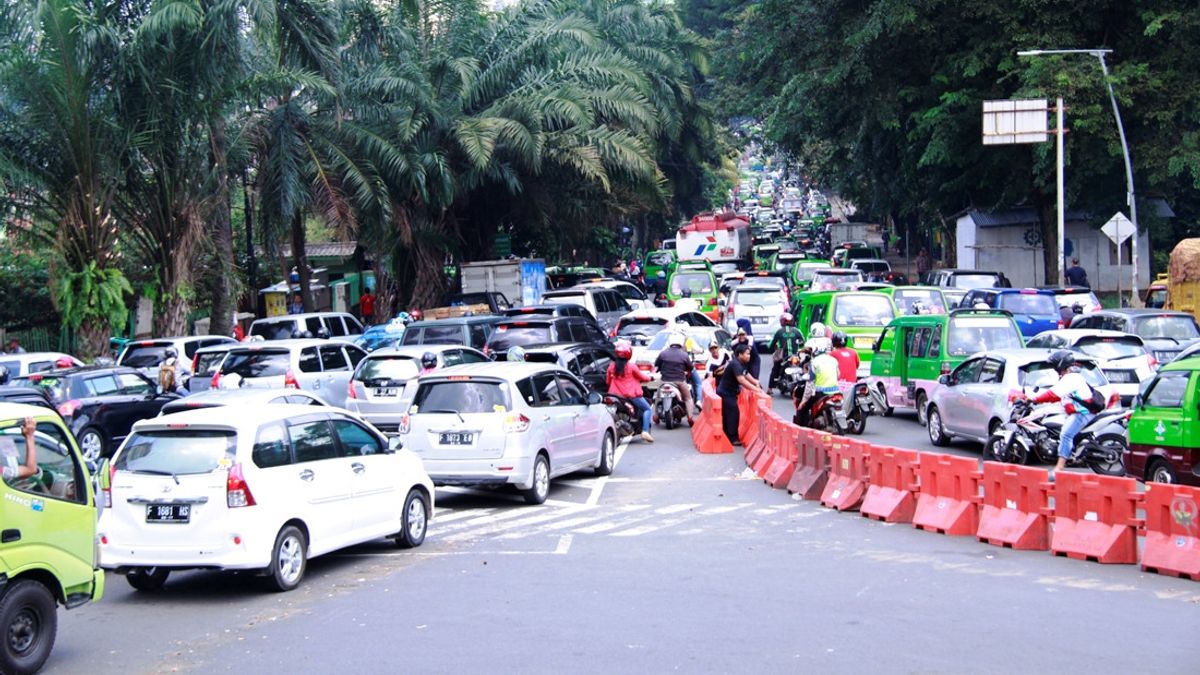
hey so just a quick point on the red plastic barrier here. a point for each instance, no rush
(703, 420)
(748, 422)
(1016, 507)
(758, 446)
(712, 440)
(812, 469)
(892, 477)
(1095, 518)
(949, 498)
(780, 472)
(773, 431)
(1172, 531)
(847, 474)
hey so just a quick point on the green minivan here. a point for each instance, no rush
(915, 349)
(701, 286)
(1164, 428)
(47, 536)
(860, 315)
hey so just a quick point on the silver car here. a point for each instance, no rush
(376, 390)
(517, 424)
(320, 366)
(759, 303)
(973, 400)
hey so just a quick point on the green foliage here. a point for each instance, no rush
(25, 291)
(93, 295)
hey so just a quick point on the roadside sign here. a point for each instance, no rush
(1118, 228)
(1016, 121)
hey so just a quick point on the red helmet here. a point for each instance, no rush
(785, 319)
(624, 350)
(64, 362)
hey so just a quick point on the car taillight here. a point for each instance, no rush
(1061, 324)
(196, 363)
(68, 408)
(350, 393)
(405, 424)
(1152, 362)
(515, 423)
(107, 492)
(237, 492)
(729, 311)
(216, 381)
(1114, 400)
(289, 380)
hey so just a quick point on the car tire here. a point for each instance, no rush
(540, 489)
(608, 456)
(937, 433)
(922, 406)
(887, 409)
(91, 444)
(289, 559)
(415, 520)
(1160, 471)
(148, 578)
(28, 625)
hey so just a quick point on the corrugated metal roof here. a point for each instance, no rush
(1025, 216)
(333, 249)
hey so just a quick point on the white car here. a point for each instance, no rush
(761, 304)
(699, 338)
(632, 294)
(20, 365)
(641, 326)
(261, 488)
(1122, 356)
(323, 367)
(518, 424)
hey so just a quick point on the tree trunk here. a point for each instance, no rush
(221, 321)
(429, 284)
(93, 339)
(300, 260)
(170, 314)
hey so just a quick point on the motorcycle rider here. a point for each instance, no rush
(786, 343)
(1072, 391)
(625, 379)
(675, 365)
(847, 358)
(823, 373)
(818, 336)
(516, 353)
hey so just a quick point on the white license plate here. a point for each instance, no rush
(168, 513)
(864, 342)
(385, 392)
(759, 319)
(456, 438)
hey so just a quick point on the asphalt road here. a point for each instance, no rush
(677, 562)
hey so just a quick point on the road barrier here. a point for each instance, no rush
(812, 468)
(1095, 518)
(783, 466)
(748, 403)
(755, 443)
(892, 484)
(949, 498)
(1016, 507)
(847, 474)
(772, 429)
(713, 440)
(1172, 531)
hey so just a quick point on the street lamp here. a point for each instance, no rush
(1129, 196)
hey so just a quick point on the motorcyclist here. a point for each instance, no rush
(168, 372)
(847, 358)
(625, 379)
(787, 342)
(428, 363)
(516, 353)
(823, 373)
(1072, 391)
(818, 337)
(675, 365)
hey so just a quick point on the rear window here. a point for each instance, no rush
(1110, 347)
(176, 452)
(644, 327)
(661, 258)
(1084, 300)
(207, 362)
(260, 363)
(696, 282)
(930, 301)
(759, 298)
(1166, 326)
(274, 330)
(863, 310)
(1042, 374)
(380, 369)
(872, 266)
(507, 336)
(1021, 303)
(473, 396)
(805, 271)
(973, 280)
(434, 335)
(977, 334)
(143, 356)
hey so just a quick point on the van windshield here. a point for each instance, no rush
(969, 335)
(862, 310)
(274, 330)
(175, 452)
(473, 396)
(696, 282)
(1029, 304)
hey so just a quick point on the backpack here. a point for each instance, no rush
(166, 376)
(1095, 401)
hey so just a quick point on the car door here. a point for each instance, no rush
(1160, 423)
(326, 483)
(135, 400)
(981, 398)
(335, 374)
(953, 397)
(585, 425)
(376, 493)
(556, 419)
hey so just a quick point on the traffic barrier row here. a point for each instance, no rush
(1080, 516)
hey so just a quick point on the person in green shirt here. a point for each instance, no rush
(786, 342)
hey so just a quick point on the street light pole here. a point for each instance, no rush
(1129, 194)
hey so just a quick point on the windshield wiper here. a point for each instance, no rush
(156, 472)
(449, 412)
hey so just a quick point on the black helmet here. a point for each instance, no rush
(171, 353)
(1061, 359)
(839, 340)
(3, 374)
(686, 293)
(323, 333)
(429, 359)
(306, 334)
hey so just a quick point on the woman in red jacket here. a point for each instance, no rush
(625, 379)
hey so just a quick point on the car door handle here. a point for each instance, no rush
(8, 536)
(307, 475)
(545, 418)
(358, 468)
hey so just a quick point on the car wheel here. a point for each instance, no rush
(28, 624)
(608, 456)
(148, 578)
(541, 482)
(91, 443)
(937, 433)
(1161, 472)
(289, 559)
(416, 520)
(887, 409)
(922, 404)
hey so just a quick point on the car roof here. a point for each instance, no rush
(1023, 355)
(416, 351)
(289, 343)
(244, 396)
(668, 313)
(1131, 312)
(573, 290)
(221, 416)
(1074, 334)
(505, 370)
(35, 356)
(82, 370)
(455, 320)
(303, 315)
(1189, 363)
(869, 260)
(542, 347)
(16, 411)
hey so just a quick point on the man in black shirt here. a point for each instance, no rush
(732, 381)
(1076, 275)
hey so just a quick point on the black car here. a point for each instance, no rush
(537, 330)
(100, 403)
(20, 393)
(549, 310)
(587, 361)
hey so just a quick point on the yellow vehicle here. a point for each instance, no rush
(1183, 278)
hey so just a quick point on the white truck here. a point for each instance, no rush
(720, 237)
(521, 281)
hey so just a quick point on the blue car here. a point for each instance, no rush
(378, 337)
(1035, 310)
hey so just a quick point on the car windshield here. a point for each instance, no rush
(969, 281)
(930, 300)
(862, 310)
(969, 335)
(758, 298)
(643, 327)
(806, 271)
(1032, 304)
(393, 367)
(1042, 375)
(1110, 347)
(176, 452)
(507, 335)
(274, 330)
(1172, 326)
(472, 396)
(144, 356)
(696, 282)
(256, 363)
(879, 266)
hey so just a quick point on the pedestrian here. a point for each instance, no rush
(718, 358)
(924, 265)
(297, 306)
(730, 385)
(1076, 275)
(14, 347)
(885, 241)
(625, 379)
(366, 307)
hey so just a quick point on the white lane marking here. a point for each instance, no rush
(598, 488)
(482, 519)
(666, 522)
(443, 515)
(564, 544)
(676, 508)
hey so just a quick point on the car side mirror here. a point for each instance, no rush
(394, 443)
(593, 398)
(945, 379)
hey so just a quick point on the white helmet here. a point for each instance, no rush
(981, 305)
(817, 330)
(675, 340)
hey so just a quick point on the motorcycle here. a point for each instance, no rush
(857, 405)
(791, 374)
(668, 405)
(1034, 433)
(627, 417)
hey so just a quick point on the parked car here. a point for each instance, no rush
(968, 279)
(1164, 428)
(336, 324)
(974, 400)
(239, 398)
(148, 355)
(262, 488)
(472, 331)
(1035, 311)
(376, 389)
(541, 330)
(761, 304)
(606, 304)
(585, 360)
(205, 363)
(1123, 357)
(36, 362)
(1165, 333)
(101, 403)
(320, 366)
(519, 424)
(48, 552)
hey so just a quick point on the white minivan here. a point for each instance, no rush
(264, 487)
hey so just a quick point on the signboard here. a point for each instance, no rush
(1016, 121)
(1118, 228)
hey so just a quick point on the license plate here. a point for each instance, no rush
(1122, 376)
(759, 319)
(864, 341)
(456, 438)
(385, 392)
(168, 513)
